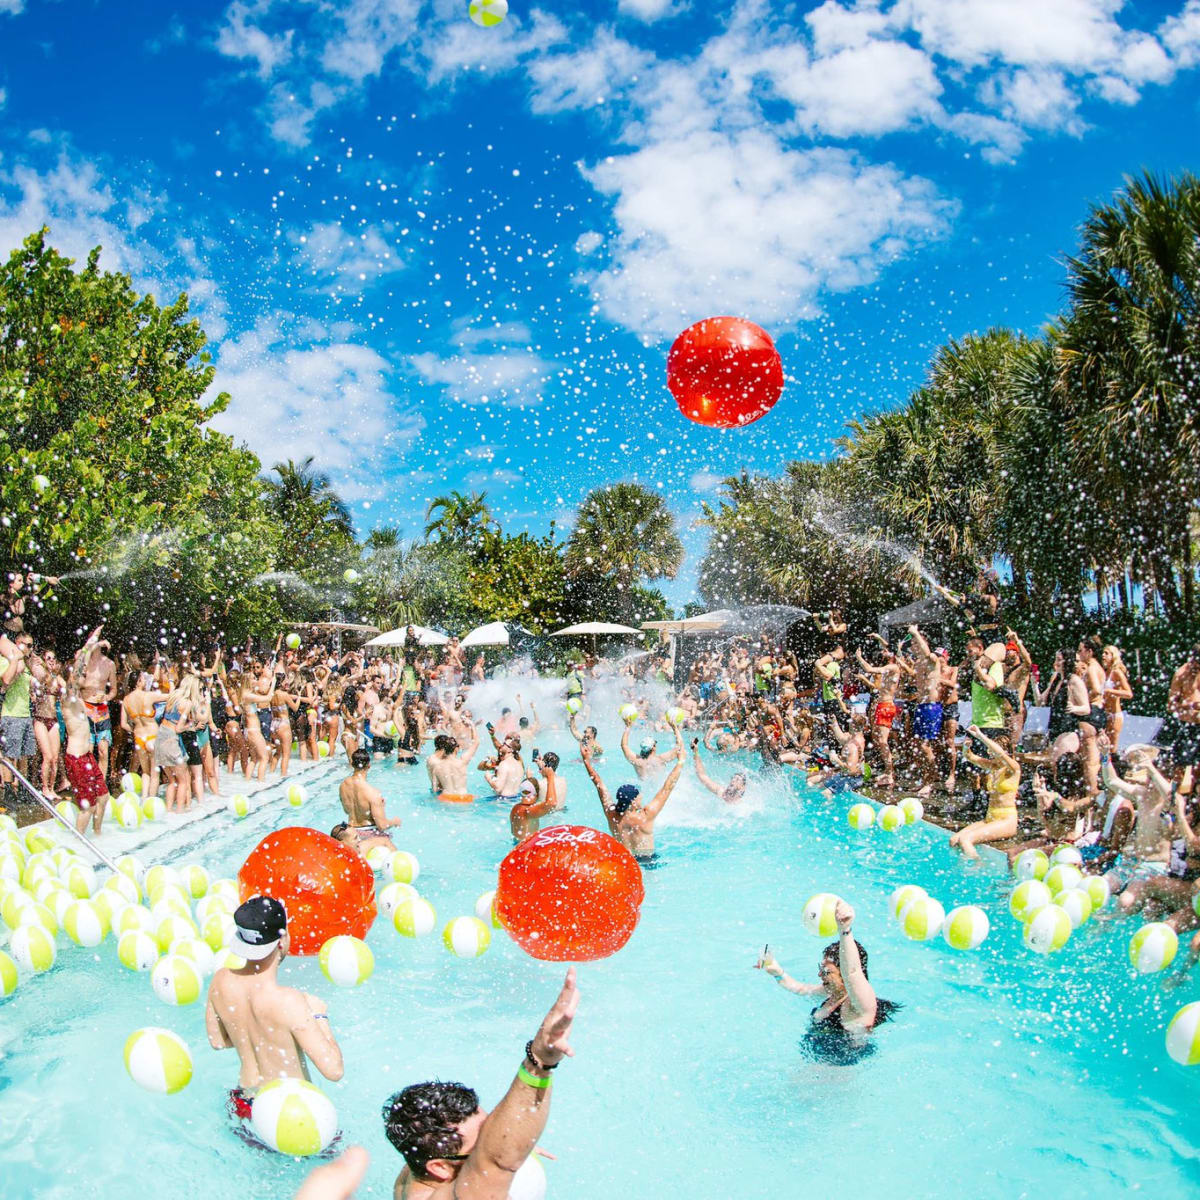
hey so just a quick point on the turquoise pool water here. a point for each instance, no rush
(1005, 1074)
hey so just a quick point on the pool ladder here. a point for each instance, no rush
(9, 765)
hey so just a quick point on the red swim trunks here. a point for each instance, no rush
(885, 714)
(86, 781)
(240, 1103)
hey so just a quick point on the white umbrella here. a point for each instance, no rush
(493, 634)
(595, 627)
(707, 622)
(395, 637)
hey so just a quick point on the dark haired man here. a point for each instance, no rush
(455, 1150)
(366, 812)
(447, 765)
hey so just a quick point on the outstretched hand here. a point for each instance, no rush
(337, 1180)
(550, 1044)
(843, 914)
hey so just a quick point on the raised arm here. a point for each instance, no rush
(625, 745)
(998, 753)
(785, 981)
(606, 801)
(573, 728)
(861, 994)
(664, 793)
(701, 773)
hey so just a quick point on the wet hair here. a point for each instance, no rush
(444, 742)
(627, 793)
(593, 731)
(523, 722)
(831, 953)
(551, 760)
(1068, 776)
(338, 832)
(360, 760)
(505, 711)
(422, 1121)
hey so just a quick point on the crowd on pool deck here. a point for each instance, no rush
(878, 717)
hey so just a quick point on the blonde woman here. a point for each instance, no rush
(1003, 780)
(169, 756)
(139, 721)
(284, 702)
(256, 712)
(1116, 689)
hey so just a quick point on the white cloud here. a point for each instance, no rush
(347, 262)
(239, 37)
(650, 10)
(1037, 99)
(11, 7)
(587, 76)
(742, 224)
(1181, 35)
(705, 481)
(492, 365)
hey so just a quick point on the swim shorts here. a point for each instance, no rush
(86, 781)
(383, 745)
(927, 721)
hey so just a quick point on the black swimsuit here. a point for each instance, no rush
(829, 1041)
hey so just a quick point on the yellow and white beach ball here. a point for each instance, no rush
(487, 12)
(176, 980)
(891, 817)
(67, 810)
(292, 641)
(63, 856)
(322, 749)
(1097, 889)
(1047, 930)
(11, 867)
(1077, 904)
(11, 905)
(861, 816)
(391, 895)
(154, 808)
(922, 918)
(1066, 855)
(131, 865)
(38, 839)
(346, 961)
(1183, 1035)
(171, 928)
(85, 924)
(239, 805)
(350, 575)
(122, 885)
(128, 814)
(1061, 877)
(198, 951)
(210, 904)
(195, 880)
(676, 715)
(296, 795)
(1031, 864)
(136, 918)
(170, 901)
(158, 1060)
(294, 1117)
(912, 808)
(39, 914)
(59, 901)
(1027, 897)
(37, 868)
(485, 910)
(966, 927)
(466, 937)
(230, 961)
(32, 948)
(574, 704)
(902, 897)
(379, 858)
(628, 713)
(403, 867)
(131, 783)
(227, 889)
(1153, 947)
(159, 877)
(7, 824)
(529, 1182)
(9, 978)
(137, 950)
(80, 880)
(217, 929)
(45, 888)
(817, 915)
(414, 917)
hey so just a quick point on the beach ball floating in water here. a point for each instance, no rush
(159, 877)
(902, 897)
(414, 917)
(912, 808)
(85, 924)
(136, 918)
(817, 916)
(1077, 904)
(292, 641)
(922, 918)
(485, 910)
(296, 795)
(965, 927)
(346, 961)
(217, 929)
(158, 1060)
(1027, 897)
(9, 978)
(529, 1182)
(574, 704)
(239, 805)
(466, 937)
(294, 1117)
(403, 867)
(379, 858)
(1067, 856)
(326, 887)
(171, 928)
(1061, 877)
(80, 880)
(487, 12)
(131, 783)
(392, 894)
(1183, 1035)
(1153, 947)
(724, 372)
(891, 817)
(33, 948)
(1047, 930)
(176, 980)
(861, 816)
(137, 950)
(1097, 889)
(131, 865)
(39, 914)
(195, 880)
(628, 713)
(1031, 864)
(196, 950)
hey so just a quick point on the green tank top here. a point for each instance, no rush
(987, 709)
(408, 679)
(829, 688)
(16, 699)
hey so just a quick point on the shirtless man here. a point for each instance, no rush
(87, 782)
(732, 792)
(551, 786)
(589, 736)
(648, 761)
(505, 776)
(631, 823)
(447, 765)
(454, 1149)
(276, 1030)
(506, 725)
(366, 812)
(1181, 731)
(98, 688)
(1018, 671)
(524, 818)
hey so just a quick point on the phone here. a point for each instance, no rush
(535, 754)
(489, 727)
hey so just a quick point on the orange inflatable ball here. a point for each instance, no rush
(326, 887)
(724, 372)
(569, 894)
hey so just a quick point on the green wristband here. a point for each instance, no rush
(533, 1080)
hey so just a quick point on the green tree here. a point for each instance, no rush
(460, 518)
(624, 535)
(317, 532)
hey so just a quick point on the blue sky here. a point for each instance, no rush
(435, 256)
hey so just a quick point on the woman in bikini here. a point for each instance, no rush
(169, 755)
(1003, 780)
(1116, 689)
(284, 701)
(138, 720)
(46, 687)
(228, 712)
(305, 729)
(256, 717)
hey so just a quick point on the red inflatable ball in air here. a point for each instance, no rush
(569, 894)
(326, 887)
(724, 372)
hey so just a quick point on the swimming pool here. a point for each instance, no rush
(1005, 1074)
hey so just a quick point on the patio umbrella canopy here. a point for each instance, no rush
(395, 637)
(595, 627)
(494, 634)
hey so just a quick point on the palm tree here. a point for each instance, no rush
(460, 517)
(302, 495)
(624, 535)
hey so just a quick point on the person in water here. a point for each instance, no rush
(850, 1009)
(732, 792)
(276, 1030)
(366, 812)
(454, 1149)
(648, 762)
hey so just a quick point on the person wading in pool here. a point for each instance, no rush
(454, 1149)
(628, 821)
(732, 792)
(276, 1030)
(447, 765)
(850, 1009)
(366, 812)
(648, 762)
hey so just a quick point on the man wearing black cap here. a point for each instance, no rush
(273, 1028)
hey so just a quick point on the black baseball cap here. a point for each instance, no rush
(258, 926)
